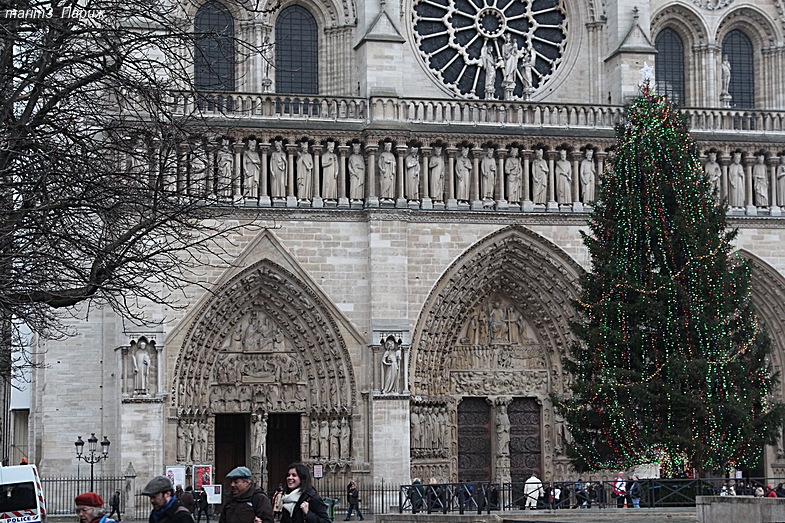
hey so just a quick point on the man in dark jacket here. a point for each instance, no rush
(248, 502)
(187, 499)
(166, 508)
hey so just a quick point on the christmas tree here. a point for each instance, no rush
(671, 367)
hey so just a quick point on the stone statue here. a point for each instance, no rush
(225, 160)
(587, 175)
(760, 182)
(780, 175)
(200, 439)
(181, 439)
(314, 439)
(510, 57)
(713, 172)
(330, 172)
(412, 165)
(499, 329)
(324, 440)
(390, 361)
(540, 173)
(563, 170)
(335, 440)
(736, 182)
(189, 441)
(488, 170)
(436, 168)
(259, 435)
(514, 172)
(278, 165)
(387, 173)
(356, 174)
(488, 64)
(304, 172)
(346, 436)
(251, 166)
(502, 432)
(725, 75)
(463, 169)
(526, 70)
(198, 173)
(141, 362)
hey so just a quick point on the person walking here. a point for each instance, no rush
(201, 505)
(635, 492)
(353, 499)
(114, 503)
(90, 508)
(532, 490)
(166, 507)
(301, 503)
(187, 499)
(247, 502)
(620, 490)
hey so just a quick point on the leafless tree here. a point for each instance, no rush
(108, 188)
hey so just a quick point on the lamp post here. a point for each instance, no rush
(92, 458)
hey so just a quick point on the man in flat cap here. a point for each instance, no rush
(166, 508)
(90, 508)
(248, 503)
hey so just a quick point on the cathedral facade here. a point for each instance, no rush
(414, 176)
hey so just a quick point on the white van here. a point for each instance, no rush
(21, 497)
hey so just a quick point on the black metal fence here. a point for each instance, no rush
(61, 492)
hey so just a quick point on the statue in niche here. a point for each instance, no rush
(488, 170)
(356, 174)
(225, 161)
(527, 67)
(324, 440)
(181, 440)
(416, 429)
(502, 431)
(346, 433)
(725, 75)
(278, 165)
(463, 169)
(760, 181)
(335, 440)
(330, 172)
(412, 165)
(251, 166)
(386, 166)
(488, 64)
(304, 172)
(141, 361)
(587, 175)
(540, 172)
(510, 58)
(563, 169)
(201, 437)
(514, 172)
(713, 172)
(498, 322)
(390, 362)
(780, 175)
(259, 435)
(736, 182)
(436, 168)
(198, 173)
(189, 441)
(314, 434)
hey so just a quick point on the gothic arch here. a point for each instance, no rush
(757, 26)
(537, 276)
(264, 341)
(328, 13)
(684, 21)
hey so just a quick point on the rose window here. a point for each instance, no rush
(492, 49)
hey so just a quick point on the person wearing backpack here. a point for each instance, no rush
(247, 502)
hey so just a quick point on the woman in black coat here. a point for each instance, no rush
(301, 503)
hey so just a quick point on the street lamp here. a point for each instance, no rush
(92, 458)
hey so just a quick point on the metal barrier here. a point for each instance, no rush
(61, 492)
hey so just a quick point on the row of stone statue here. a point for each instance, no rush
(192, 441)
(330, 439)
(430, 427)
(749, 182)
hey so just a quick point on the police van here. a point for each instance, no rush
(21, 497)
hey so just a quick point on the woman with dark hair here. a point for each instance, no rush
(301, 503)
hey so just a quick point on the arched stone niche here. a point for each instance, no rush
(495, 325)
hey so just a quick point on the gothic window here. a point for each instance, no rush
(669, 66)
(738, 48)
(296, 46)
(214, 48)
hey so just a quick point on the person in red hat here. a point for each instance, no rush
(90, 508)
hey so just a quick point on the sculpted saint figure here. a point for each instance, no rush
(412, 164)
(780, 174)
(390, 361)
(304, 172)
(502, 432)
(736, 182)
(330, 172)
(713, 172)
(760, 181)
(251, 165)
(540, 172)
(387, 173)
(526, 70)
(563, 170)
(463, 169)
(587, 176)
(488, 64)
(436, 167)
(725, 75)
(488, 170)
(514, 172)
(225, 160)
(356, 174)
(278, 164)
(510, 56)
(141, 362)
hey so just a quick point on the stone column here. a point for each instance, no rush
(552, 205)
(501, 201)
(128, 502)
(291, 199)
(316, 200)
(425, 184)
(400, 173)
(343, 200)
(264, 194)
(775, 204)
(749, 195)
(526, 201)
(477, 154)
(449, 177)
(238, 158)
(370, 179)
(501, 424)
(724, 162)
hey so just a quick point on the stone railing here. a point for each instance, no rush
(496, 113)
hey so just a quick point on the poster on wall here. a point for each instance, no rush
(203, 475)
(176, 475)
(213, 494)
